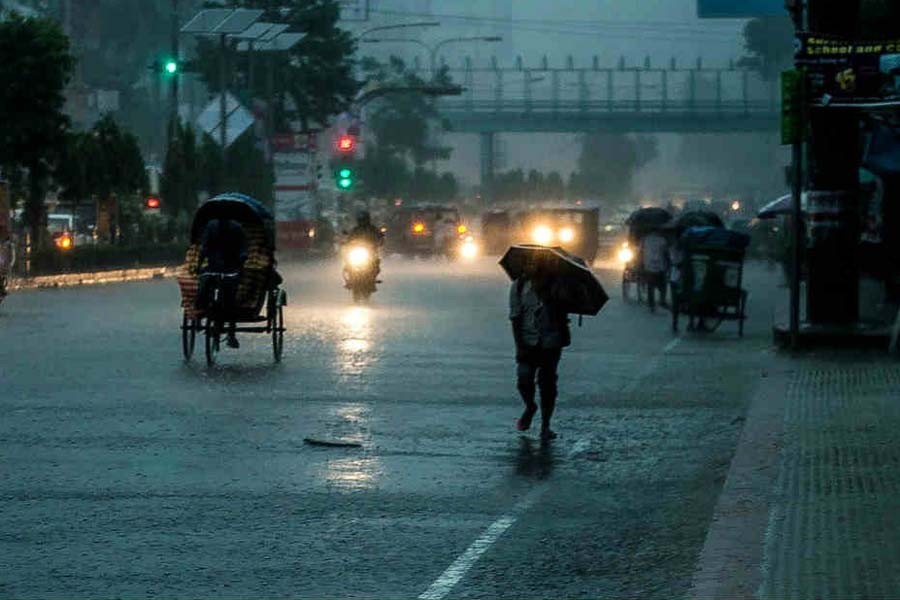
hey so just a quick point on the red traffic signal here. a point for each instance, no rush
(346, 143)
(152, 203)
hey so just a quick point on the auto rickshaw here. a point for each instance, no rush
(576, 230)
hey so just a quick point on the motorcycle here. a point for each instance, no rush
(361, 268)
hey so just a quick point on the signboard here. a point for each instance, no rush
(740, 9)
(850, 70)
(238, 119)
(791, 107)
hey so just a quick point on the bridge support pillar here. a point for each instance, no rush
(488, 165)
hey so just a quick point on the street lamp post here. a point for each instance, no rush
(434, 49)
(398, 26)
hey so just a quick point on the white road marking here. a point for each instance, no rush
(455, 572)
(671, 345)
(650, 367)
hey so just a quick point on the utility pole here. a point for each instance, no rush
(176, 52)
(223, 85)
(833, 284)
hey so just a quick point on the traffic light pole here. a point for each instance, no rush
(833, 284)
(176, 51)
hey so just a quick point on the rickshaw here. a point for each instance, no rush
(710, 290)
(259, 300)
(640, 224)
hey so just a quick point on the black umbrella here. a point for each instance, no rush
(585, 295)
(643, 221)
(698, 218)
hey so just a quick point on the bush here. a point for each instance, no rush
(103, 257)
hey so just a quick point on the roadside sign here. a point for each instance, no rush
(238, 119)
(740, 9)
(792, 107)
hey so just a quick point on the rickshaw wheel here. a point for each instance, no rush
(277, 323)
(213, 340)
(188, 337)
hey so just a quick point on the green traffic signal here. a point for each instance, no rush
(345, 178)
(171, 67)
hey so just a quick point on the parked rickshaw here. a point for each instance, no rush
(640, 224)
(259, 301)
(710, 288)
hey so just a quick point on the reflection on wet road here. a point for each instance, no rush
(127, 473)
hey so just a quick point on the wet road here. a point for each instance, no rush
(125, 473)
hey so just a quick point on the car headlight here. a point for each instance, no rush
(626, 254)
(359, 256)
(469, 249)
(567, 235)
(542, 235)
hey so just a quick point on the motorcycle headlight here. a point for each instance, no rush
(567, 235)
(542, 235)
(359, 256)
(626, 254)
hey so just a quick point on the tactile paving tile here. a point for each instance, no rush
(834, 531)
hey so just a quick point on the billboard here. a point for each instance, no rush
(740, 9)
(854, 71)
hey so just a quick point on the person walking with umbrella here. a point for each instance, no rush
(548, 284)
(541, 330)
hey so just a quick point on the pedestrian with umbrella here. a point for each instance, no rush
(548, 285)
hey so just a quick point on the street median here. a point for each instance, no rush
(92, 278)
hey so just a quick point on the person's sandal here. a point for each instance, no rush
(523, 423)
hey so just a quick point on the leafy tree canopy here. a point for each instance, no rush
(34, 72)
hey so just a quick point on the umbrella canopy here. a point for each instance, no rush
(645, 220)
(584, 293)
(783, 207)
(699, 218)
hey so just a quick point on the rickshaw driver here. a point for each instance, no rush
(223, 245)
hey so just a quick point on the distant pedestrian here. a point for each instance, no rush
(541, 331)
(655, 257)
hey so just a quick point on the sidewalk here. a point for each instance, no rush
(830, 490)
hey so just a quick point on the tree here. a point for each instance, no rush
(181, 177)
(400, 125)
(316, 75)
(191, 168)
(770, 43)
(608, 164)
(35, 69)
(104, 163)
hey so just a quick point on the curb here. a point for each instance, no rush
(731, 561)
(95, 278)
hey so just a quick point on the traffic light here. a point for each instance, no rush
(346, 144)
(345, 177)
(152, 203)
(167, 66)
